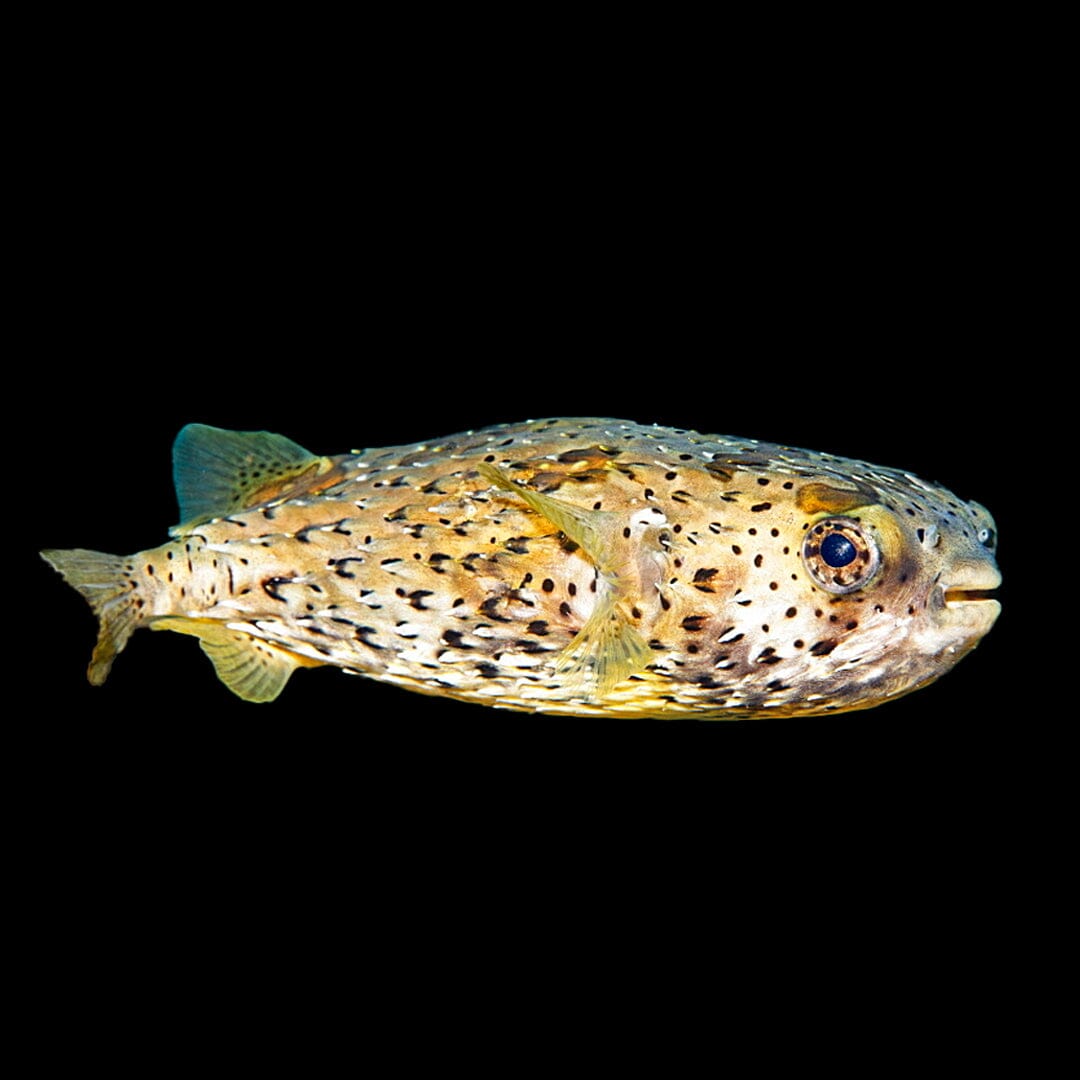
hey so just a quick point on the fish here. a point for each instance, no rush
(574, 566)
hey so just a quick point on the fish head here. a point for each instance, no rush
(850, 584)
(901, 576)
(939, 571)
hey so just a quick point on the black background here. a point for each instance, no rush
(859, 288)
(356, 237)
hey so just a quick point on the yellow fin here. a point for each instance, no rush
(607, 648)
(218, 472)
(604, 651)
(590, 529)
(101, 581)
(250, 667)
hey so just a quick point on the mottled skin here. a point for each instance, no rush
(409, 565)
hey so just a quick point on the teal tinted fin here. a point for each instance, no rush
(100, 579)
(250, 667)
(218, 472)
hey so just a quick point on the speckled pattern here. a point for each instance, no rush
(762, 579)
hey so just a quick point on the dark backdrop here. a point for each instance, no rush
(349, 307)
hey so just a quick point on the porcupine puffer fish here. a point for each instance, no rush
(574, 566)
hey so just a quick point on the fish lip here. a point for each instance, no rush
(976, 588)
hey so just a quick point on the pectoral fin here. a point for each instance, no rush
(251, 668)
(604, 651)
(590, 529)
(607, 648)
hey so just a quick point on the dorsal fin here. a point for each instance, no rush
(218, 472)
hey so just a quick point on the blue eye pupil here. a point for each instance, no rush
(837, 550)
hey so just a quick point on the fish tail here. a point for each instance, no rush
(105, 582)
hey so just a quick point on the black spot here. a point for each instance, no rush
(416, 599)
(538, 627)
(705, 574)
(791, 612)
(487, 671)
(455, 639)
(271, 585)
(694, 623)
(564, 609)
(363, 633)
(488, 608)
(758, 560)
(548, 585)
(759, 507)
(823, 648)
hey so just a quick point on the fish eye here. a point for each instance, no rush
(837, 550)
(987, 537)
(840, 554)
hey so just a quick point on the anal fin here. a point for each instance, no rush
(251, 668)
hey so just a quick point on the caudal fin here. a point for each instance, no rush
(101, 579)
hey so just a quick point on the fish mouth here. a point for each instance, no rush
(973, 588)
(968, 596)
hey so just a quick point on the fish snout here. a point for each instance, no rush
(967, 592)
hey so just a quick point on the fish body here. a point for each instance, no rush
(576, 566)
